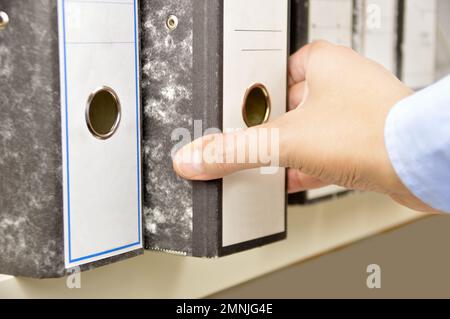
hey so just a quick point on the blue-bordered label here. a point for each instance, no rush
(102, 178)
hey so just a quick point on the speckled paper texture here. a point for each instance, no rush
(31, 199)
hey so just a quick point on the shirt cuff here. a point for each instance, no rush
(417, 138)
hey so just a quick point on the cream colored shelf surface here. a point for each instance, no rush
(313, 230)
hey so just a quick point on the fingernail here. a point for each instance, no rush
(188, 162)
(305, 95)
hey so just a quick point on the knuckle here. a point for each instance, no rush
(320, 45)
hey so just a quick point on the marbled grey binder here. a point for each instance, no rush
(31, 196)
(182, 82)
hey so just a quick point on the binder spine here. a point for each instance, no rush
(180, 216)
(208, 107)
(400, 37)
(359, 25)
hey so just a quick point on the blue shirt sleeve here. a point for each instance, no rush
(417, 136)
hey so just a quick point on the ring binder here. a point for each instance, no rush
(103, 112)
(67, 199)
(190, 77)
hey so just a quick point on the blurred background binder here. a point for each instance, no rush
(376, 31)
(312, 20)
(418, 44)
(299, 24)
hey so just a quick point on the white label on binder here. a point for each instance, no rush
(255, 52)
(331, 20)
(102, 202)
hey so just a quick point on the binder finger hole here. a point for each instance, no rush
(257, 105)
(103, 113)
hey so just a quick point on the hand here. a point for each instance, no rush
(334, 133)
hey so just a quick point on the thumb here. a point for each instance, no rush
(217, 155)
